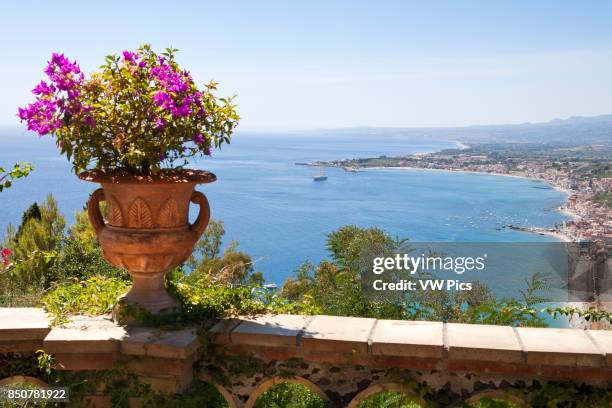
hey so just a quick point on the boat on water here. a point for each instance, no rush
(320, 176)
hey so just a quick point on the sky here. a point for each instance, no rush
(330, 64)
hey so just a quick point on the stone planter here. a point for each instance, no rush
(147, 229)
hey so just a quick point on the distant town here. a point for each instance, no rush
(584, 172)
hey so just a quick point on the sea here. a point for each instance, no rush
(280, 216)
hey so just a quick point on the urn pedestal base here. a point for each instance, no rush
(148, 294)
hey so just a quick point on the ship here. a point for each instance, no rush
(320, 176)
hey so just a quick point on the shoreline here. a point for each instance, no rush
(560, 235)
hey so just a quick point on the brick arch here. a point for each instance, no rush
(20, 379)
(229, 398)
(265, 385)
(388, 387)
(503, 395)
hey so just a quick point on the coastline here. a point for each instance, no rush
(557, 234)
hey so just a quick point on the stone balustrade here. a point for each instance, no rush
(342, 359)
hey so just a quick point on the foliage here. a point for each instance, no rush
(33, 212)
(592, 314)
(94, 296)
(537, 283)
(209, 245)
(18, 171)
(33, 247)
(493, 403)
(389, 399)
(234, 268)
(346, 244)
(203, 302)
(289, 395)
(120, 384)
(11, 365)
(570, 395)
(335, 287)
(75, 259)
(79, 255)
(206, 294)
(40, 254)
(202, 299)
(141, 113)
(199, 394)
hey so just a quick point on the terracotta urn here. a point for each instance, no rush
(147, 229)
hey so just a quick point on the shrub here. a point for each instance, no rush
(94, 296)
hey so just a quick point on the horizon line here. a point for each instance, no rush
(355, 127)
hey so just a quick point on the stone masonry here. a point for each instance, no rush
(342, 359)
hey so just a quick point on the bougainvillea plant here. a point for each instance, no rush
(141, 113)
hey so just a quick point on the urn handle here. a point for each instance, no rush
(201, 222)
(93, 210)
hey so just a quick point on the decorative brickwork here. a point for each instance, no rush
(343, 360)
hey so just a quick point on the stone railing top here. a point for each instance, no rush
(29, 329)
(23, 323)
(402, 344)
(318, 335)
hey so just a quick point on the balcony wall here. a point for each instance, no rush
(342, 359)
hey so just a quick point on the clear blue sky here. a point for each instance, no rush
(311, 64)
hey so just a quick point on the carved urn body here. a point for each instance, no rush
(147, 229)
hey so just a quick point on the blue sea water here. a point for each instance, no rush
(280, 216)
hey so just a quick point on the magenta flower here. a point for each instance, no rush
(40, 116)
(130, 56)
(180, 111)
(64, 74)
(163, 100)
(160, 123)
(43, 88)
(89, 121)
(198, 138)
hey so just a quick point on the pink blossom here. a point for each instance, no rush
(198, 138)
(130, 56)
(43, 89)
(64, 74)
(40, 116)
(160, 123)
(89, 121)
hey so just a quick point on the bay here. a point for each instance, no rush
(280, 216)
